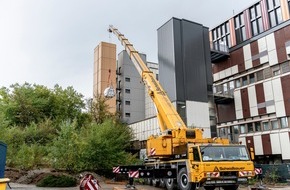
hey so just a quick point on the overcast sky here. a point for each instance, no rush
(52, 42)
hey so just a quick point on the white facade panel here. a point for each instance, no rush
(262, 44)
(258, 145)
(242, 140)
(285, 144)
(275, 143)
(278, 98)
(247, 56)
(216, 77)
(222, 74)
(198, 117)
(271, 43)
(253, 101)
(288, 50)
(238, 104)
(228, 72)
(235, 69)
(268, 92)
(273, 59)
(264, 59)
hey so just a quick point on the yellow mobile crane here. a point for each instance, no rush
(180, 156)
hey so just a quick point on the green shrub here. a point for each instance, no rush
(57, 181)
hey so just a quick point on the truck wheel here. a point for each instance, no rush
(162, 183)
(155, 182)
(183, 181)
(170, 184)
(231, 187)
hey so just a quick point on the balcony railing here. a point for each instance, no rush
(219, 51)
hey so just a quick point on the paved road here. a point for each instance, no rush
(105, 186)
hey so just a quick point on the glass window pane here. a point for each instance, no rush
(277, 3)
(272, 18)
(242, 19)
(260, 75)
(275, 124)
(243, 29)
(258, 9)
(284, 122)
(229, 40)
(279, 15)
(245, 80)
(227, 27)
(252, 78)
(254, 28)
(257, 126)
(266, 126)
(237, 22)
(238, 83)
(253, 13)
(267, 73)
(260, 25)
(270, 4)
(250, 127)
(242, 129)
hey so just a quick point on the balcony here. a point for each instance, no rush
(218, 52)
(223, 97)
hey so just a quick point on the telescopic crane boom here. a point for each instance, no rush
(175, 134)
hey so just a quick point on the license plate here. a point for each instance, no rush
(220, 181)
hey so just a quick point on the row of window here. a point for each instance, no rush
(233, 132)
(221, 34)
(228, 87)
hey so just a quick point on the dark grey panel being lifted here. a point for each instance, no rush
(166, 59)
(184, 60)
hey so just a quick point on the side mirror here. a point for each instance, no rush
(252, 153)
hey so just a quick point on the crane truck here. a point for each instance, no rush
(180, 157)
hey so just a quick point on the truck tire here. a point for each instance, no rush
(162, 183)
(155, 182)
(183, 180)
(231, 187)
(170, 184)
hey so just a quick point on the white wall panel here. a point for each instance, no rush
(271, 43)
(253, 101)
(285, 144)
(198, 117)
(247, 56)
(278, 98)
(228, 72)
(216, 76)
(235, 69)
(268, 91)
(275, 143)
(273, 59)
(238, 104)
(222, 74)
(258, 145)
(242, 140)
(262, 44)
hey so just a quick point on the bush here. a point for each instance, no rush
(57, 181)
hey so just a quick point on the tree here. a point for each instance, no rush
(99, 109)
(23, 104)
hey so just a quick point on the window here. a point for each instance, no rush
(266, 126)
(252, 78)
(285, 66)
(267, 73)
(257, 126)
(245, 80)
(127, 114)
(240, 29)
(238, 83)
(256, 19)
(250, 127)
(274, 124)
(242, 129)
(128, 91)
(274, 12)
(232, 87)
(260, 75)
(127, 102)
(196, 154)
(223, 132)
(127, 79)
(276, 70)
(284, 122)
(221, 37)
(225, 88)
